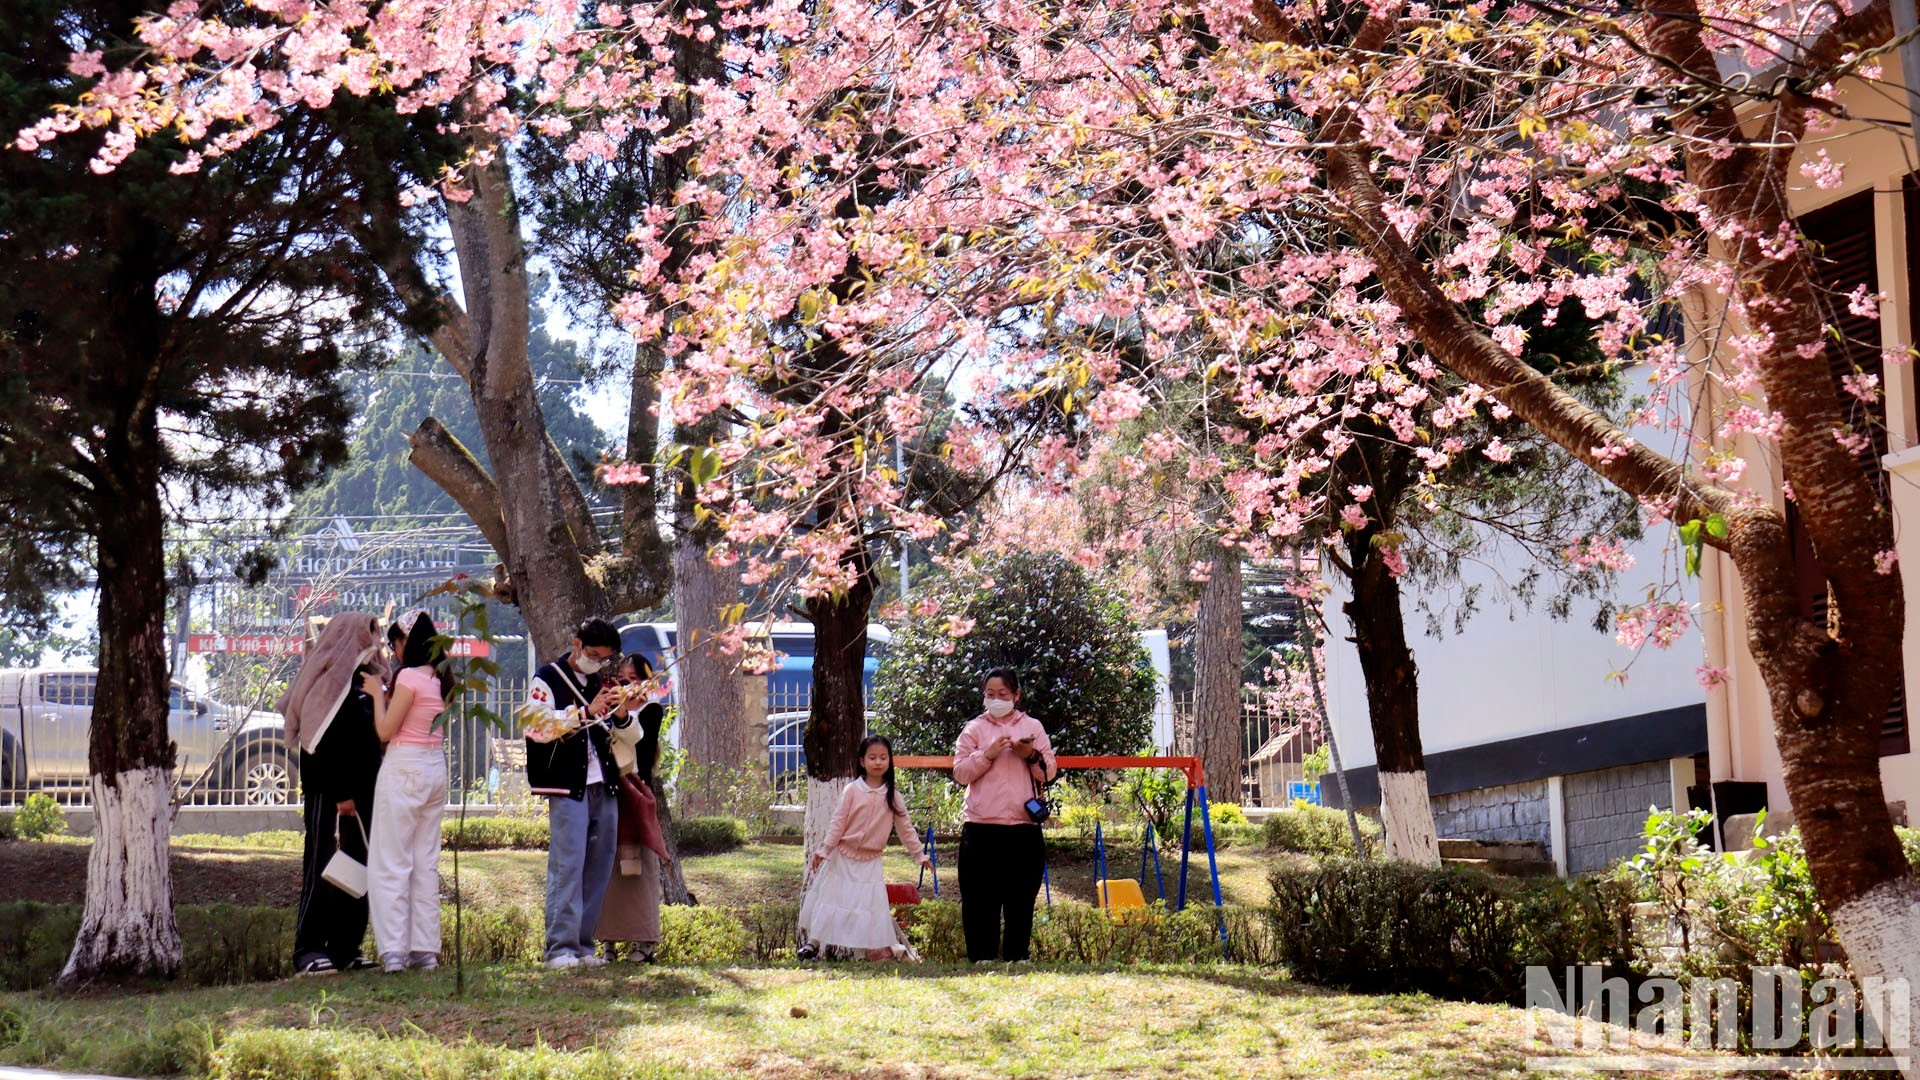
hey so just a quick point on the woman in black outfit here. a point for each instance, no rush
(339, 761)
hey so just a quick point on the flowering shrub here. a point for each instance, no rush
(1083, 671)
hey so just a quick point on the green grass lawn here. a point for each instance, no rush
(769, 1022)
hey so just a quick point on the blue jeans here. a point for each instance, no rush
(580, 853)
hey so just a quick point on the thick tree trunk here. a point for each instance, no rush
(1830, 685)
(1393, 705)
(709, 689)
(707, 685)
(673, 879)
(127, 926)
(837, 714)
(1218, 651)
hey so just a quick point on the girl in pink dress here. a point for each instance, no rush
(847, 903)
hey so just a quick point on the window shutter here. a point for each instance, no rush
(1845, 258)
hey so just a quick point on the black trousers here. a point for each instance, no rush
(999, 881)
(330, 923)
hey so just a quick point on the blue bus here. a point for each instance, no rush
(789, 685)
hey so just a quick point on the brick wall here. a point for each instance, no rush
(1509, 812)
(1607, 810)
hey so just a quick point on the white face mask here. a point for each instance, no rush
(998, 708)
(587, 665)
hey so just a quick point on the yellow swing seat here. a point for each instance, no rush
(1122, 899)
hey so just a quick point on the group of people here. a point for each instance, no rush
(375, 780)
(1004, 760)
(374, 776)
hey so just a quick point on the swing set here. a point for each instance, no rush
(1125, 898)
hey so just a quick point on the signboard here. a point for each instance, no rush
(276, 645)
(1302, 791)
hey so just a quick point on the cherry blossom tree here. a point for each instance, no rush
(1337, 214)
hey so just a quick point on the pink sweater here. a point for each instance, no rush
(416, 728)
(861, 822)
(998, 788)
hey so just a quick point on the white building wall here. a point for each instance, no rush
(1519, 672)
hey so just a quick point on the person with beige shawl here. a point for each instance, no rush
(329, 713)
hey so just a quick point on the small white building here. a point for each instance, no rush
(1529, 733)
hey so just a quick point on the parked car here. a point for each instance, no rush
(226, 750)
(786, 748)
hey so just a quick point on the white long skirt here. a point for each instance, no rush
(847, 905)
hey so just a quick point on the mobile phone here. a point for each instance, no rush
(1029, 739)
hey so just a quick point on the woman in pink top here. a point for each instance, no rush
(403, 853)
(846, 905)
(1002, 757)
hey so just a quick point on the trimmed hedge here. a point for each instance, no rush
(493, 833)
(1385, 927)
(1316, 830)
(709, 835)
(221, 943)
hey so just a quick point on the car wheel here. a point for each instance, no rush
(11, 794)
(266, 779)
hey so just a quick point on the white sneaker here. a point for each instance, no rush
(592, 961)
(562, 962)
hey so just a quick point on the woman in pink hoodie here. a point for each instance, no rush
(847, 903)
(1003, 757)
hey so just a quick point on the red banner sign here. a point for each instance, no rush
(275, 645)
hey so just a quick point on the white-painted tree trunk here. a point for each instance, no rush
(823, 796)
(127, 926)
(1407, 812)
(1880, 930)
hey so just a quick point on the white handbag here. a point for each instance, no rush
(343, 871)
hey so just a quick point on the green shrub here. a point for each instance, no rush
(494, 933)
(1316, 830)
(709, 835)
(702, 935)
(34, 941)
(1075, 933)
(6, 827)
(1385, 927)
(1227, 814)
(39, 818)
(772, 928)
(220, 943)
(493, 833)
(1082, 668)
(1242, 834)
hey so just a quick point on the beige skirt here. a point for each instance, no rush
(632, 908)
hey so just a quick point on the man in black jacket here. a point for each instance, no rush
(570, 761)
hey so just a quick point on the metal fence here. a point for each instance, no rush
(250, 764)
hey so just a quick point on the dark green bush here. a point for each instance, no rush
(1316, 830)
(220, 943)
(1386, 927)
(493, 833)
(1083, 671)
(709, 835)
